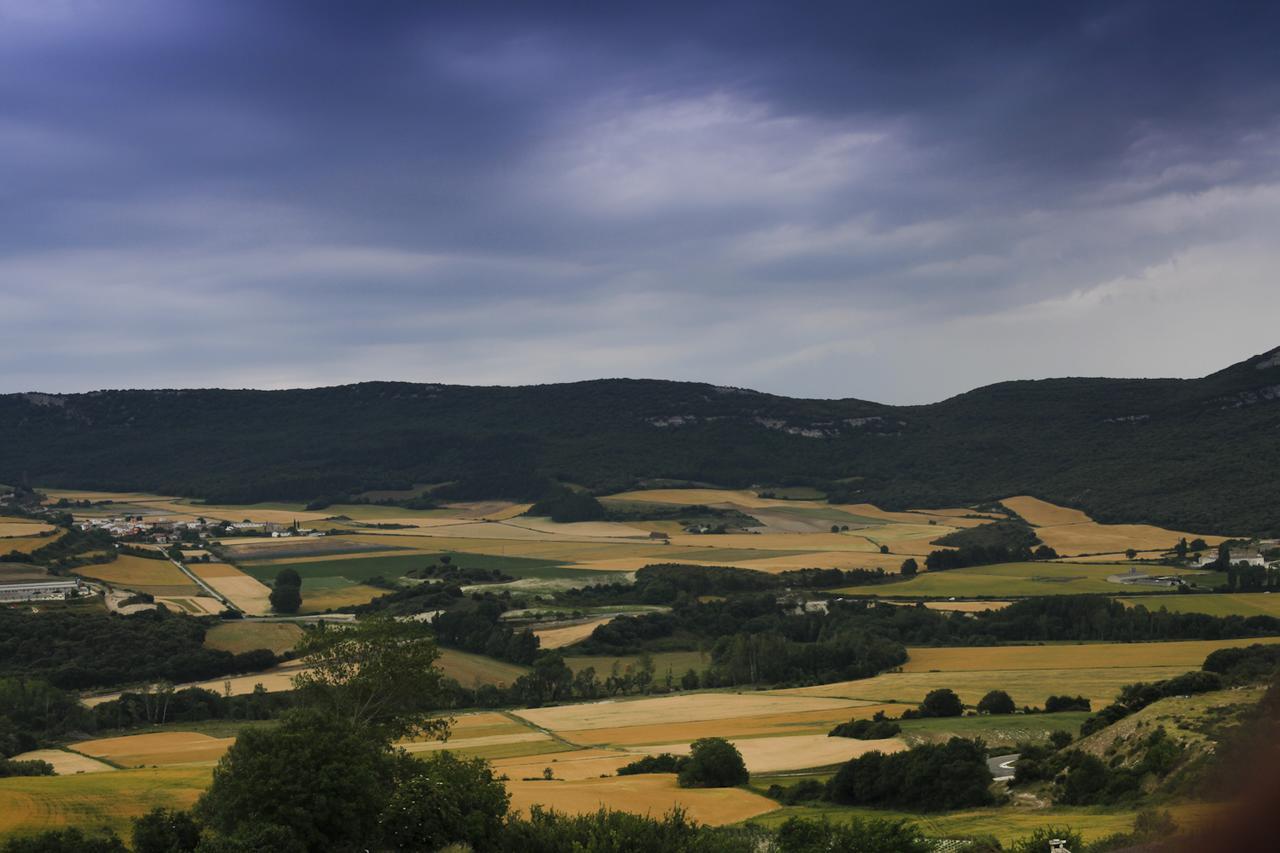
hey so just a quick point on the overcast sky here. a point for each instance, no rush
(894, 201)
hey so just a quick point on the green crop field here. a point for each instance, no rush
(1011, 579)
(1227, 604)
(243, 635)
(993, 729)
(678, 662)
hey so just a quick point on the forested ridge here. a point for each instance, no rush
(1192, 453)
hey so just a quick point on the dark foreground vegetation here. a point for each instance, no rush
(1099, 444)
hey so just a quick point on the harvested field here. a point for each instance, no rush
(1227, 604)
(654, 794)
(1186, 653)
(580, 529)
(994, 729)
(1071, 532)
(683, 708)
(762, 726)
(95, 801)
(27, 544)
(799, 752)
(13, 528)
(242, 636)
(65, 763)
(1026, 686)
(568, 766)
(159, 577)
(557, 638)
(462, 745)
(1040, 513)
(246, 592)
(158, 749)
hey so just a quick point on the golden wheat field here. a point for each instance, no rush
(558, 638)
(142, 574)
(158, 749)
(794, 752)
(1071, 532)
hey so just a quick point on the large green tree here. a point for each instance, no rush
(377, 673)
(713, 763)
(448, 800)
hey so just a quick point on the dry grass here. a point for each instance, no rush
(473, 670)
(466, 744)
(319, 601)
(158, 749)
(558, 638)
(672, 710)
(65, 763)
(799, 752)
(241, 636)
(653, 794)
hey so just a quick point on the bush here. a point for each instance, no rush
(1054, 704)
(25, 768)
(996, 702)
(65, 841)
(713, 763)
(165, 831)
(866, 729)
(664, 763)
(860, 835)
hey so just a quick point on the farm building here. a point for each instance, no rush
(57, 590)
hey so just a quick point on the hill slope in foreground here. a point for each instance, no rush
(1188, 453)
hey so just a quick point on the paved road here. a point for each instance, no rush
(1001, 766)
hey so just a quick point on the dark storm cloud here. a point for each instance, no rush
(774, 195)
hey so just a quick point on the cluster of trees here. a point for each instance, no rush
(286, 592)
(927, 778)
(878, 727)
(984, 555)
(33, 711)
(75, 547)
(77, 650)
(669, 583)
(564, 505)
(477, 626)
(162, 704)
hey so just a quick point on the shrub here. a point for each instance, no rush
(866, 729)
(449, 800)
(1054, 704)
(664, 763)
(941, 703)
(996, 702)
